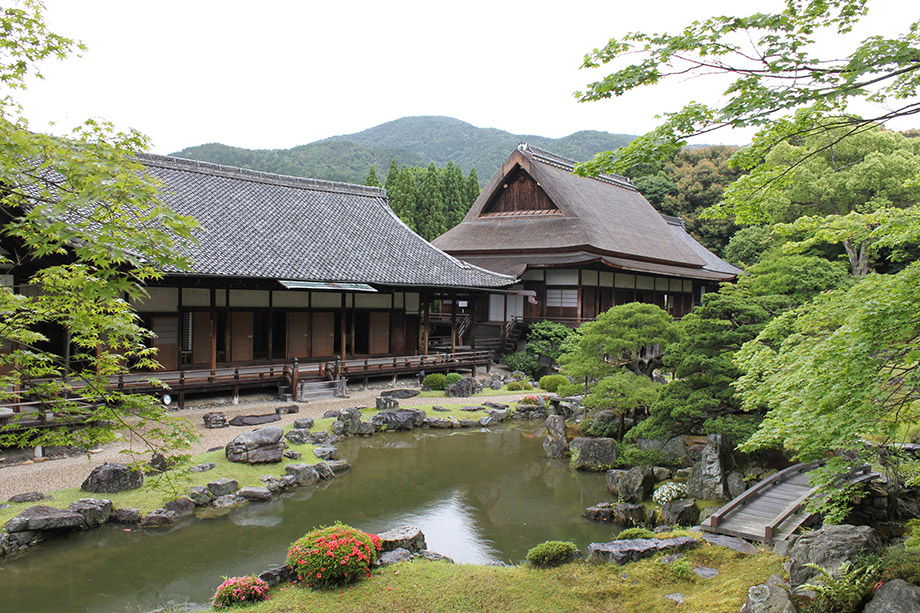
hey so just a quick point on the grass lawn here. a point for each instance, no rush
(640, 586)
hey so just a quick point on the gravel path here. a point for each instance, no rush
(67, 472)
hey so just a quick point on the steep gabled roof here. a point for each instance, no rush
(261, 225)
(604, 218)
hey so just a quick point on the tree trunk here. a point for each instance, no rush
(858, 256)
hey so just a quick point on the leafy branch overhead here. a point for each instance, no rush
(776, 67)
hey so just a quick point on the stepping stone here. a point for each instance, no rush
(705, 572)
(676, 597)
(736, 544)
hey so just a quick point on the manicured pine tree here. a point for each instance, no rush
(372, 180)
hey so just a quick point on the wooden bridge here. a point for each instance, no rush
(775, 508)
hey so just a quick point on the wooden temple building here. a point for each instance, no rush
(579, 245)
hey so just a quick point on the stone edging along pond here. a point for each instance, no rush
(264, 445)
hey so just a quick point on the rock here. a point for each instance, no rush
(897, 596)
(127, 515)
(287, 409)
(661, 473)
(487, 420)
(255, 493)
(200, 468)
(767, 598)
(518, 375)
(257, 447)
(366, 429)
(298, 436)
(707, 479)
(680, 512)
(463, 388)
(215, 419)
(304, 474)
(468, 423)
(633, 485)
(495, 405)
(555, 444)
(602, 511)
(95, 511)
(782, 548)
(628, 514)
(498, 415)
(27, 497)
(399, 419)
(386, 402)
(324, 471)
(272, 482)
(350, 420)
(222, 487)
(290, 454)
(158, 518)
(182, 507)
(254, 420)
(277, 576)
(560, 407)
(112, 477)
(326, 452)
(471, 408)
(736, 544)
(288, 481)
(706, 572)
(159, 463)
(529, 411)
(675, 449)
(621, 552)
(829, 547)
(706, 512)
(200, 495)
(676, 598)
(41, 517)
(338, 466)
(229, 501)
(394, 557)
(406, 537)
(735, 484)
(400, 394)
(440, 409)
(437, 422)
(495, 384)
(682, 474)
(431, 556)
(303, 423)
(593, 454)
(333, 413)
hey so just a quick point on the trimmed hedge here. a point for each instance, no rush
(552, 553)
(435, 381)
(551, 383)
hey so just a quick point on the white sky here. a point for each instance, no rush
(276, 74)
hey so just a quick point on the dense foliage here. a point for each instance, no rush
(433, 200)
(625, 393)
(239, 591)
(551, 553)
(435, 381)
(332, 556)
(551, 383)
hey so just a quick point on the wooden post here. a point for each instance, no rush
(427, 308)
(342, 329)
(453, 324)
(295, 375)
(236, 386)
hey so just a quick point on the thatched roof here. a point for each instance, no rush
(262, 225)
(580, 220)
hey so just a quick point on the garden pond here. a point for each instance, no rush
(479, 496)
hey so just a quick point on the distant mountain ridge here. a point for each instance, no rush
(412, 141)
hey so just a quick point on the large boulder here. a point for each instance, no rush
(680, 513)
(215, 419)
(406, 537)
(708, 479)
(304, 474)
(897, 596)
(463, 388)
(399, 419)
(41, 517)
(260, 446)
(555, 445)
(298, 436)
(112, 477)
(594, 454)
(350, 420)
(158, 518)
(28, 497)
(621, 552)
(384, 403)
(222, 487)
(770, 597)
(633, 485)
(675, 450)
(95, 511)
(829, 547)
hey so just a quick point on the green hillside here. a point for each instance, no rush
(412, 141)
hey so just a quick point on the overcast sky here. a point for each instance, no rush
(276, 74)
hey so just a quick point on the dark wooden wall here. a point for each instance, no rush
(519, 192)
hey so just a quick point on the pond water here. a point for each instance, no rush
(479, 496)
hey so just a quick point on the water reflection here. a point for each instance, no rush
(478, 497)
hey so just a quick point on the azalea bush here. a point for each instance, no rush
(435, 381)
(552, 382)
(452, 377)
(531, 400)
(669, 492)
(333, 556)
(239, 590)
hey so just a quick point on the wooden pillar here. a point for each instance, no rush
(213, 332)
(353, 325)
(453, 324)
(342, 328)
(426, 308)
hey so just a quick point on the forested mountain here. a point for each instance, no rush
(411, 141)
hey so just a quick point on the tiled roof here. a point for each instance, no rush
(261, 225)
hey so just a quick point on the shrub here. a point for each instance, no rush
(333, 555)
(669, 492)
(635, 533)
(599, 429)
(551, 383)
(846, 592)
(435, 381)
(902, 564)
(630, 456)
(526, 386)
(239, 590)
(681, 570)
(527, 363)
(452, 377)
(514, 386)
(530, 400)
(569, 389)
(552, 553)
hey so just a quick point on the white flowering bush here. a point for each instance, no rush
(669, 492)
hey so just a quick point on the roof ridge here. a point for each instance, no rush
(674, 220)
(235, 172)
(554, 159)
